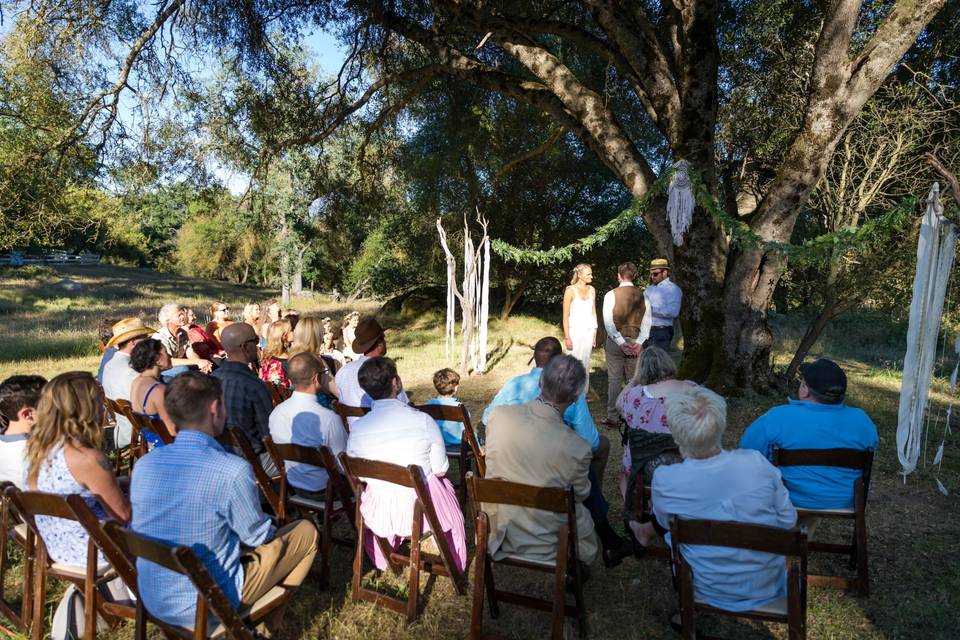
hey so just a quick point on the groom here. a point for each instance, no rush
(623, 310)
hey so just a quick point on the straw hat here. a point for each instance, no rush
(659, 263)
(127, 329)
(367, 333)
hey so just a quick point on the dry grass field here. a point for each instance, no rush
(914, 531)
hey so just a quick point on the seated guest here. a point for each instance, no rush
(272, 312)
(529, 443)
(19, 396)
(397, 433)
(329, 347)
(118, 375)
(251, 315)
(525, 388)
(447, 383)
(147, 391)
(647, 438)
(220, 313)
(104, 333)
(817, 419)
(371, 342)
(348, 333)
(193, 493)
(63, 456)
(713, 484)
(273, 362)
(247, 400)
(204, 345)
(175, 340)
(308, 338)
(302, 420)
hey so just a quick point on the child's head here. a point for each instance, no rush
(18, 398)
(446, 382)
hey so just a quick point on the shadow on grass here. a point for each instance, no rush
(46, 347)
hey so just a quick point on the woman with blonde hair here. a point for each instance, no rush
(580, 316)
(251, 315)
(647, 440)
(220, 314)
(272, 311)
(274, 360)
(308, 336)
(63, 457)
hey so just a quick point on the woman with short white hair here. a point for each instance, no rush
(714, 484)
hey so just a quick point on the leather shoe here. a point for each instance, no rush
(613, 557)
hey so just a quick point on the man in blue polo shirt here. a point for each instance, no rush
(817, 419)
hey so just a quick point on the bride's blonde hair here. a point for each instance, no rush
(70, 409)
(577, 270)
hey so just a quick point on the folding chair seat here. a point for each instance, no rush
(560, 501)
(857, 459)
(468, 451)
(345, 412)
(791, 543)
(441, 564)
(236, 624)
(337, 501)
(13, 529)
(40, 566)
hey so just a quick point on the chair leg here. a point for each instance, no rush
(39, 591)
(414, 583)
(479, 568)
(326, 548)
(89, 610)
(491, 591)
(860, 531)
(559, 587)
(29, 562)
(358, 561)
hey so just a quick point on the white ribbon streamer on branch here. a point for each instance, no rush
(935, 253)
(680, 201)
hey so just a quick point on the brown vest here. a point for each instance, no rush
(628, 310)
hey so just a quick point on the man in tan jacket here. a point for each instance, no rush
(529, 443)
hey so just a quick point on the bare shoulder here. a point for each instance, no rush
(83, 459)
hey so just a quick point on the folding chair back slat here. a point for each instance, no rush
(459, 413)
(791, 543)
(358, 470)
(9, 519)
(345, 412)
(265, 482)
(159, 427)
(184, 561)
(274, 393)
(551, 499)
(845, 458)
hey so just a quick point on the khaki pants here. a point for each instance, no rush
(620, 368)
(283, 561)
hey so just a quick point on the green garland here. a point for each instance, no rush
(813, 250)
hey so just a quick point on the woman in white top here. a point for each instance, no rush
(580, 316)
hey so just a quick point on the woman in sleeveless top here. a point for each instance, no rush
(63, 456)
(647, 442)
(580, 316)
(273, 364)
(147, 392)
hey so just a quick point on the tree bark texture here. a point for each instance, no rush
(671, 64)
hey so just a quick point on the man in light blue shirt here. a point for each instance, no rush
(817, 419)
(193, 493)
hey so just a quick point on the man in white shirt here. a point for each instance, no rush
(302, 420)
(117, 373)
(19, 396)
(174, 337)
(623, 311)
(370, 342)
(663, 299)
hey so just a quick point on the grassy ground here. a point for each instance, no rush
(914, 530)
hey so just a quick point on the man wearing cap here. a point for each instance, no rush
(623, 311)
(117, 373)
(369, 342)
(817, 419)
(662, 299)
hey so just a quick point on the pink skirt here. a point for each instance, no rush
(388, 512)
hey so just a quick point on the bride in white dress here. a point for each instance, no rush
(580, 316)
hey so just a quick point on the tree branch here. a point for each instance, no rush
(948, 175)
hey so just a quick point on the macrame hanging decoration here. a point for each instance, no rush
(680, 201)
(936, 248)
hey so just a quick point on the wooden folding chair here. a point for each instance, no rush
(337, 500)
(274, 390)
(791, 543)
(554, 500)
(358, 470)
(13, 529)
(233, 437)
(122, 457)
(235, 624)
(642, 509)
(345, 411)
(139, 446)
(468, 450)
(858, 459)
(31, 504)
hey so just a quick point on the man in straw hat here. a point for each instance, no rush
(662, 299)
(369, 342)
(117, 373)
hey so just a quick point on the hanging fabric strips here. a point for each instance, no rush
(935, 253)
(680, 201)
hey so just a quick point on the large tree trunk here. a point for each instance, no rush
(511, 296)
